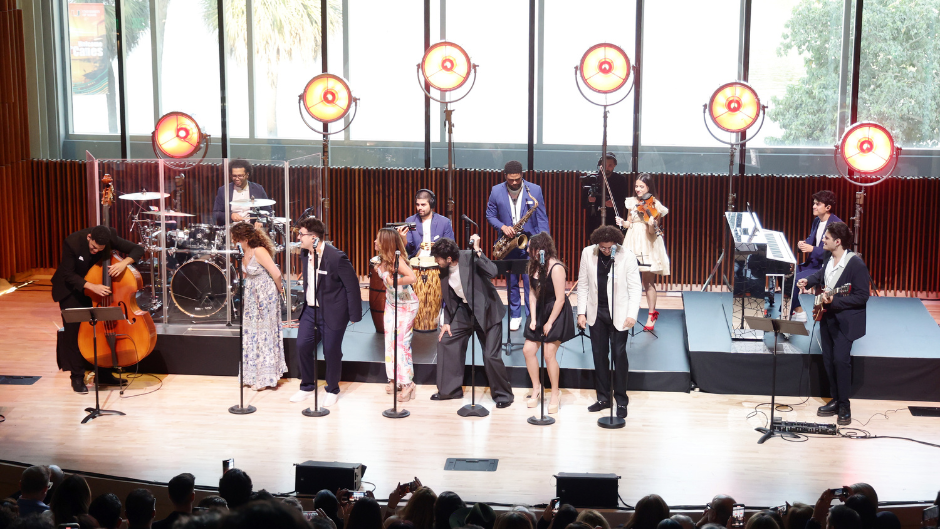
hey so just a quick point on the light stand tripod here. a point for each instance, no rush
(797, 328)
(93, 315)
(240, 409)
(473, 409)
(394, 412)
(613, 421)
(316, 411)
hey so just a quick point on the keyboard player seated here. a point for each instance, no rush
(812, 246)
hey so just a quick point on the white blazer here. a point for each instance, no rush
(629, 288)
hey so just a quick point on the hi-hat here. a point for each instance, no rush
(253, 202)
(144, 195)
(168, 214)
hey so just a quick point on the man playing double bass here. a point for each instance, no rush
(80, 251)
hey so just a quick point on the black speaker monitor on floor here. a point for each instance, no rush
(313, 476)
(588, 490)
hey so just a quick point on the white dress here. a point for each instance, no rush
(649, 249)
(262, 339)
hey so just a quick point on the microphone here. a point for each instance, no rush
(316, 242)
(238, 245)
(466, 218)
(397, 257)
(613, 251)
(542, 257)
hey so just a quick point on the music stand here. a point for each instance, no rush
(93, 315)
(776, 326)
(505, 267)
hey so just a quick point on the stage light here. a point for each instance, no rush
(177, 135)
(327, 98)
(605, 68)
(446, 66)
(867, 147)
(734, 107)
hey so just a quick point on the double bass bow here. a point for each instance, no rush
(129, 340)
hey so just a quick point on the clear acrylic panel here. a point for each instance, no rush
(305, 198)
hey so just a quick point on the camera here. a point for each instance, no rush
(228, 464)
(781, 509)
(841, 491)
(737, 515)
(356, 496)
(411, 486)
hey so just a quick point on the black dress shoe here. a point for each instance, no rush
(845, 416)
(78, 385)
(438, 396)
(504, 404)
(598, 406)
(829, 409)
(622, 412)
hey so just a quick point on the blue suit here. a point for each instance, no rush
(440, 228)
(815, 260)
(499, 214)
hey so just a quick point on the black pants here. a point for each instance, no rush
(837, 358)
(308, 340)
(452, 354)
(604, 337)
(68, 356)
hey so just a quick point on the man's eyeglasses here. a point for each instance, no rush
(305, 234)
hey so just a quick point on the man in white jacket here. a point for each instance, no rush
(609, 271)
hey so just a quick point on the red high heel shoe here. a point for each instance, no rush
(654, 315)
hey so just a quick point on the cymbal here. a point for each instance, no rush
(254, 202)
(143, 195)
(168, 214)
(281, 220)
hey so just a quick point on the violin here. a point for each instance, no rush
(129, 340)
(646, 207)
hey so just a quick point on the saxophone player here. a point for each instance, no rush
(509, 202)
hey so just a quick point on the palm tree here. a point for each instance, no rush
(286, 30)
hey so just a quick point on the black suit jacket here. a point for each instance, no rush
(848, 309)
(488, 309)
(338, 289)
(218, 209)
(77, 260)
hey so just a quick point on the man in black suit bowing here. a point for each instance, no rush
(460, 322)
(844, 319)
(328, 309)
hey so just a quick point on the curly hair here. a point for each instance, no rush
(607, 234)
(255, 238)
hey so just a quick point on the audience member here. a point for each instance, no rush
(649, 511)
(688, 523)
(322, 522)
(888, 520)
(595, 519)
(33, 522)
(34, 484)
(842, 517)
(265, 514)
(566, 515)
(71, 498)
(764, 520)
(235, 487)
(866, 490)
(480, 514)
(261, 495)
(797, 515)
(513, 520)
(446, 504)
(140, 507)
(206, 520)
(327, 502)
(578, 525)
(420, 508)
(7, 514)
(106, 509)
(718, 511)
(865, 508)
(292, 501)
(182, 492)
(669, 523)
(213, 502)
(399, 524)
(56, 477)
(364, 514)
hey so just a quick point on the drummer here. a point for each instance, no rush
(430, 226)
(238, 189)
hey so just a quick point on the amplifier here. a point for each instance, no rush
(313, 476)
(588, 490)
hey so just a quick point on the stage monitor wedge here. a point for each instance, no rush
(313, 476)
(597, 491)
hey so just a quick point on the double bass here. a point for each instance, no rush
(129, 340)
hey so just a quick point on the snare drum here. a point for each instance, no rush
(428, 289)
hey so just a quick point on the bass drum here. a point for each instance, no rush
(428, 289)
(198, 288)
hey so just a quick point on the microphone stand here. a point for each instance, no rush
(473, 409)
(612, 421)
(542, 420)
(394, 412)
(316, 411)
(240, 409)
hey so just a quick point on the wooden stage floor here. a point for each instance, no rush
(685, 447)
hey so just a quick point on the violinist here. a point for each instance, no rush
(80, 251)
(644, 238)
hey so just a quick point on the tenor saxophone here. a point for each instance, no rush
(507, 244)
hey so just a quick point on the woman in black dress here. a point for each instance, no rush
(551, 321)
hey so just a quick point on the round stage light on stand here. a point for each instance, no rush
(446, 67)
(177, 136)
(734, 107)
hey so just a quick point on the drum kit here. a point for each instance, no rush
(196, 255)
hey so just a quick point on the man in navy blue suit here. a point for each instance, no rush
(844, 319)
(332, 300)
(430, 227)
(823, 202)
(238, 189)
(508, 203)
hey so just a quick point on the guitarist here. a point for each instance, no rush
(843, 321)
(80, 251)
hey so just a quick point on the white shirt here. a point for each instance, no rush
(453, 280)
(315, 274)
(516, 209)
(426, 241)
(834, 271)
(241, 194)
(820, 231)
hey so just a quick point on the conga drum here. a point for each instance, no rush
(428, 290)
(376, 297)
